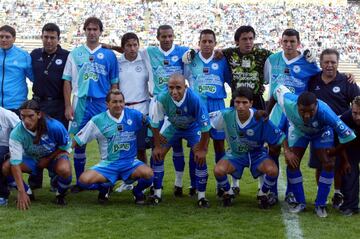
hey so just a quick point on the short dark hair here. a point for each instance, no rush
(243, 92)
(163, 27)
(356, 101)
(114, 92)
(291, 32)
(51, 27)
(242, 30)
(93, 20)
(307, 98)
(208, 31)
(9, 29)
(127, 36)
(330, 51)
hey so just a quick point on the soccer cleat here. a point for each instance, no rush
(60, 200)
(296, 208)
(192, 192)
(263, 201)
(349, 212)
(76, 189)
(139, 200)
(178, 191)
(337, 200)
(203, 203)
(272, 199)
(3, 201)
(227, 200)
(220, 192)
(291, 200)
(321, 211)
(103, 197)
(124, 187)
(236, 190)
(154, 200)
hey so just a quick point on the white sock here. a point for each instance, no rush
(230, 192)
(261, 181)
(157, 192)
(235, 183)
(261, 193)
(178, 179)
(201, 195)
(337, 191)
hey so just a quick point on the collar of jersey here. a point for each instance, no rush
(247, 121)
(92, 51)
(288, 62)
(179, 103)
(123, 59)
(30, 132)
(115, 119)
(206, 61)
(166, 53)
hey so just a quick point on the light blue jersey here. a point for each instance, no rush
(323, 118)
(22, 146)
(188, 114)
(116, 137)
(247, 137)
(91, 72)
(208, 76)
(164, 64)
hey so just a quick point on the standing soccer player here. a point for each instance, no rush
(186, 118)
(115, 130)
(89, 73)
(246, 137)
(207, 77)
(310, 120)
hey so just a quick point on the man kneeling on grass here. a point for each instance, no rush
(246, 137)
(115, 131)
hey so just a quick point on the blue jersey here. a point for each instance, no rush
(323, 117)
(116, 137)
(248, 137)
(189, 113)
(91, 72)
(21, 142)
(294, 74)
(207, 76)
(164, 64)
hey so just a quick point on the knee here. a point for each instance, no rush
(328, 163)
(84, 179)
(272, 171)
(6, 168)
(219, 171)
(148, 173)
(63, 171)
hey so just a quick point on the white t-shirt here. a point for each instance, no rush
(8, 120)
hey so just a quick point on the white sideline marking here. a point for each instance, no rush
(291, 220)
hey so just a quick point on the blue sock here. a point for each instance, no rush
(158, 168)
(201, 177)
(218, 156)
(274, 188)
(105, 187)
(296, 183)
(268, 184)
(79, 161)
(178, 158)
(192, 166)
(288, 185)
(12, 183)
(63, 184)
(141, 185)
(325, 181)
(223, 183)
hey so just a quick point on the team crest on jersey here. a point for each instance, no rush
(336, 89)
(174, 58)
(138, 69)
(214, 66)
(326, 134)
(15, 62)
(296, 69)
(74, 124)
(100, 55)
(315, 124)
(203, 116)
(58, 62)
(129, 122)
(250, 132)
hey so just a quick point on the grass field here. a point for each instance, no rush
(83, 217)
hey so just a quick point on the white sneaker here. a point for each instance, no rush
(124, 187)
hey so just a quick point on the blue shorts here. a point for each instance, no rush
(4, 152)
(31, 164)
(215, 105)
(174, 135)
(321, 140)
(117, 170)
(314, 161)
(249, 160)
(85, 108)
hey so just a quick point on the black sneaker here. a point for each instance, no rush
(31, 195)
(139, 200)
(263, 201)
(178, 191)
(236, 190)
(227, 200)
(103, 197)
(291, 200)
(154, 200)
(76, 189)
(349, 211)
(220, 192)
(272, 199)
(60, 200)
(337, 200)
(192, 192)
(203, 203)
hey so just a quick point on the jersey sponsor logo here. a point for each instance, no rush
(250, 132)
(58, 62)
(243, 148)
(100, 55)
(206, 70)
(138, 69)
(214, 66)
(336, 89)
(174, 58)
(122, 146)
(246, 63)
(163, 80)
(207, 88)
(296, 69)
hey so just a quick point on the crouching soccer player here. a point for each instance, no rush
(246, 137)
(115, 131)
(38, 142)
(186, 118)
(310, 120)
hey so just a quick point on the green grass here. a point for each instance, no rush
(173, 218)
